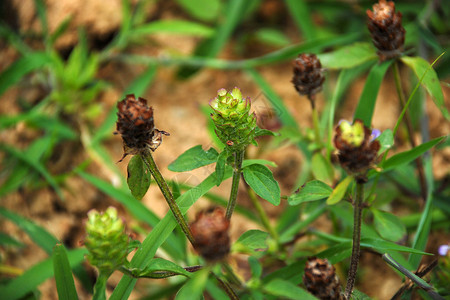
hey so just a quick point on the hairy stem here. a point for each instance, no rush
(153, 168)
(315, 118)
(238, 158)
(419, 163)
(100, 287)
(226, 287)
(357, 209)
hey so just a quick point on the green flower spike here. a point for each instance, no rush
(235, 125)
(106, 240)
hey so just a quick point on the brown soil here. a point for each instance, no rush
(176, 104)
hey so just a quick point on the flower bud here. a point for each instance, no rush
(385, 26)
(308, 75)
(210, 232)
(357, 147)
(106, 240)
(135, 124)
(235, 125)
(321, 280)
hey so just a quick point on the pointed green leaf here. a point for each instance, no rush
(138, 178)
(204, 10)
(383, 246)
(311, 191)
(410, 155)
(322, 168)
(339, 191)
(366, 104)
(261, 180)
(63, 274)
(6, 240)
(349, 56)
(251, 240)
(194, 158)
(193, 288)
(287, 290)
(388, 225)
(181, 27)
(386, 140)
(248, 162)
(158, 267)
(430, 81)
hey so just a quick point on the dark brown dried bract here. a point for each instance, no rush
(210, 232)
(385, 26)
(135, 124)
(357, 159)
(308, 75)
(321, 280)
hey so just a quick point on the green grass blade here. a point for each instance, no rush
(160, 233)
(63, 274)
(348, 57)
(38, 234)
(302, 17)
(21, 67)
(37, 274)
(180, 27)
(366, 104)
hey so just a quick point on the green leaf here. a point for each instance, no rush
(383, 246)
(366, 104)
(388, 225)
(6, 240)
(63, 274)
(161, 232)
(272, 37)
(251, 240)
(311, 191)
(386, 140)
(157, 266)
(301, 14)
(339, 191)
(220, 166)
(410, 155)
(286, 289)
(348, 57)
(261, 180)
(194, 158)
(181, 27)
(430, 81)
(204, 10)
(262, 132)
(193, 288)
(138, 178)
(337, 253)
(322, 168)
(248, 162)
(37, 274)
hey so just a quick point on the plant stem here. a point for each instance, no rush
(261, 213)
(238, 158)
(232, 276)
(357, 209)
(153, 168)
(419, 163)
(315, 118)
(226, 287)
(100, 287)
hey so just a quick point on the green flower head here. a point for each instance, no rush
(235, 125)
(106, 240)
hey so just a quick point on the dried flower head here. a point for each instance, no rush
(235, 125)
(308, 75)
(210, 232)
(106, 240)
(357, 147)
(321, 280)
(385, 26)
(135, 124)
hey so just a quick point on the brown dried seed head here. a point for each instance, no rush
(135, 124)
(210, 232)
(385, 26)
(321, 280)
(308, 75)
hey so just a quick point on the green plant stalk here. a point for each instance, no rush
(238, 158)
(232, 276)
(262, 214)
(356, 247)
(226, 287)
(315, 117)
(153, 168)
(419, 163)
(100, 287)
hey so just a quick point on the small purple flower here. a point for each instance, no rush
(375, 133)
(443, 250)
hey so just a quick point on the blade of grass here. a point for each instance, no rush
(37, 274)
(301, 14)
(63, 274)
(161, 232)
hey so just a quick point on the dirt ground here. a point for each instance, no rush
(177, 110)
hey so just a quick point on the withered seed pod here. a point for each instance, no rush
(210, 232)
(385, 26)
(136, 126)
(308, 75)
(321, 280)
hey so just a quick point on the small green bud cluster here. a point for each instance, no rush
(235, 125)
(106, 240)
